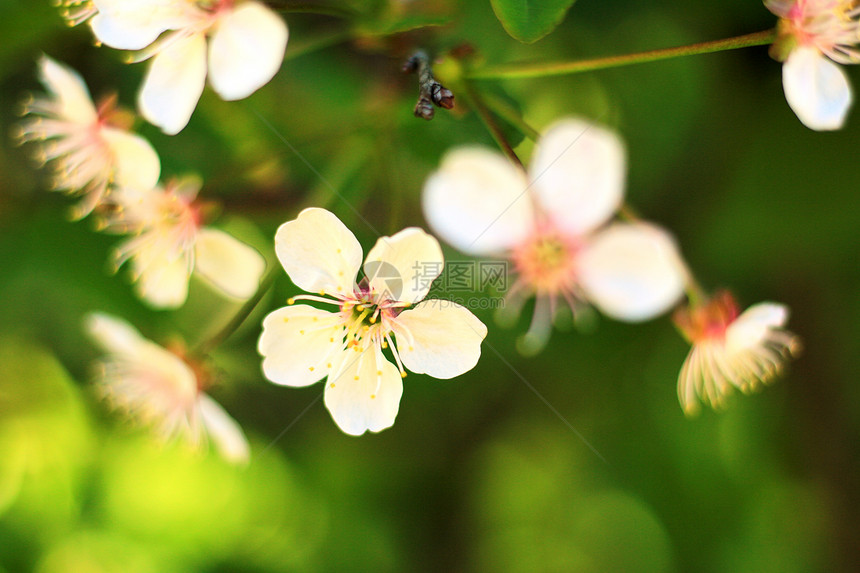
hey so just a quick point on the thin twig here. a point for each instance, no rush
(491, 124)
(546, 69)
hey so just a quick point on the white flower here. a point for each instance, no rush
(171, 242)
(301, 344)
(156, 387)
(246, 44)
(550, 222)
(87, 152)
(731, 351)
(815, 36)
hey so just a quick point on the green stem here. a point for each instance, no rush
(490, 123)
(507, 112)
(207, 346)
(288, 7)
(544, 69)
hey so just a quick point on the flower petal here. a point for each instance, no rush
(477, 201)
(632, 272)
(227, 263)
(135, 24)
(70, 91)
(174, 83)
(114, 335)
(136, 163)
(162, 283)
(404, 265)
(439, 338)
(226, 434)
(299, 344)
(753, 325)
(365, 395)
(246, 50)
(816, 88)
(577, 174)
(318, 252)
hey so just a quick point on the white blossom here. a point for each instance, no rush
(157, 388)
(815, 36)
(385, 309)
(238, 45)
(731, 350)
(88, 151)
(170, 241)
(552, 224)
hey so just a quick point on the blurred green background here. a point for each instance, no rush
(477, 474)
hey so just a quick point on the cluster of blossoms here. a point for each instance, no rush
(553, 224)
(117, 172)
(561, 224)
(94, 155)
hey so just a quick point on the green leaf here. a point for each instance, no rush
(530, 20)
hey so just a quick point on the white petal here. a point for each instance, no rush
(404, 265)
(136, 163)
(816, 88)
(365, 395)
(318, 252)
(246, 50)
(299, 343)
(577, 173)
(227, 263)
(477, 201)
(174, 83)
(632, 272)
(163, 284)
(226, 434)
(135, 24)
(439, 338)
(114, 335)
(69, 89)
(753, 325)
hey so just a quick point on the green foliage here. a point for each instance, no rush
(530, 20)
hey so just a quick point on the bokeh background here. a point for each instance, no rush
(479, 473)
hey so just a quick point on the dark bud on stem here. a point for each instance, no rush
(430, 92)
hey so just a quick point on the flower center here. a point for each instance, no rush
(367, 320)
(709, 320)
(547, 262)
(831, 26)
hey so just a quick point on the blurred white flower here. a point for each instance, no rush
(157, 388)
(245, 48)
(302, 345)
(89, 149)
(731, 350)
(815, 36)
(550, 222)
(170, 242)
